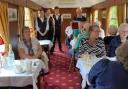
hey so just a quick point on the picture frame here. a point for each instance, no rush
(104, 14)
(66, 16)
(12, 14)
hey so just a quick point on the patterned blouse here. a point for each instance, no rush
(99, 50)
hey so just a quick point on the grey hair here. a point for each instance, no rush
(122, 26)
(113, 29)
(26, 28)
(122, 54)
(98, 23)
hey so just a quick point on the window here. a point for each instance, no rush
(27, 18)
(96, 16)
(91, 18)
(28, 22)
(113, 16)
(125, 17)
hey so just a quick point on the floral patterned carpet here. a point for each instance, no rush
(59, 77)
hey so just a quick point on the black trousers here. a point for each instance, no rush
(57, 37)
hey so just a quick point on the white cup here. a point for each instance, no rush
(18, 69)
(28, 65)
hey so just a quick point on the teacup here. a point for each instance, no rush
(28, 65)
(18, 69)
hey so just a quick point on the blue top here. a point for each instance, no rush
(115, 42)
(107, 74)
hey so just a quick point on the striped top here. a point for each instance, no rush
(99, 50)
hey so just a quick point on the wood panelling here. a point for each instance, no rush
(25, 3)
(13, 32)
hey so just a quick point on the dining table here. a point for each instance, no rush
(84, 65)
(14, 76)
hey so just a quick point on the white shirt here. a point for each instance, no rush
(73, 42)
(102, 33)
(68, 31)
(57, 17)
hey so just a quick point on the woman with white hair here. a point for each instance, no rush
(121, 38)
(93, 44)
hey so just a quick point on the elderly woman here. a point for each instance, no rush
(121, 38)
(93, 44)
(31, 49)
(107, 74)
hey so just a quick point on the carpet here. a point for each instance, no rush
(59, 77)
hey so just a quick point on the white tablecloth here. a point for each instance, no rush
(8, 77)
(85, 67)
(46, 42)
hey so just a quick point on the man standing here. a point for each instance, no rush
(50, 25)
(79, 16)
(41, 25)
(58, 20)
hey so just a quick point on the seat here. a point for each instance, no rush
(46, 45)
(46, 49)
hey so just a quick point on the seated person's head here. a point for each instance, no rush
(81, 25)
(113, 30)
(94, 31)
(26, 33)
(86, 26)
(123, 31)
(122, 54)
(98, 23)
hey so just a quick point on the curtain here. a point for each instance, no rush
(120, 13)
(4, 24)
(32, 20)
(107, 19)
(20, 20)
(100, 15)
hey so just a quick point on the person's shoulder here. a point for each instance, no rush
(37, 17)
(100, 40)
(116, 39)
(34, 39)
(68, 27)
(20, 44)
(84, 18)
(84, 40)
(103, 62)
